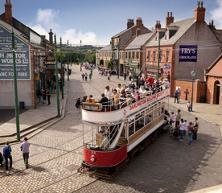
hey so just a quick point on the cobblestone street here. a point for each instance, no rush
(167, 165)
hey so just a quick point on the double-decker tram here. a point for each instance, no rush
(115, 132)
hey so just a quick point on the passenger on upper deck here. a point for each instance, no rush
(116, 98)
(90, 99)
(119, 88)
(108, 93)
(104, 101)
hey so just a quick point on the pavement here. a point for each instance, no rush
(32, 119)
(166, 166)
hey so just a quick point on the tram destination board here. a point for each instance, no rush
(6, 57)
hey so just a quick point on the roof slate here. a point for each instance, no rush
(182, 26)
(106, 48)
(139, 41)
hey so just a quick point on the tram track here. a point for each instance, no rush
(63, 154)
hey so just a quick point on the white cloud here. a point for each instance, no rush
(217, 14)
(40, 29)
(46, 19)
(75, 36)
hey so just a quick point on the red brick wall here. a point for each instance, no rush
(199, 89)
(210, 88)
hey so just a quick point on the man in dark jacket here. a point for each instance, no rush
(7, 155)
(104, 101)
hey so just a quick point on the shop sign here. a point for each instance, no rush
(6, 57)
(188, 53)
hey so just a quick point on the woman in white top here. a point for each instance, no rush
(182, 128)
(108, 93)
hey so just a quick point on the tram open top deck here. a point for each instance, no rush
(92, 112)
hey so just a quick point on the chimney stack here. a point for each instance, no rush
(130, 23)
(139, 21)
(8, 12)
(169, 19)
(51, 37)
(200, 12)
(158, 25)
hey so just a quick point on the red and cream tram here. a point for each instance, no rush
(115, 133)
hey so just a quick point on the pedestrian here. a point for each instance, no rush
(189, 106)
(176, 96)
(195, 128)
(178, 117)
(7, 150)
(44, 96)
(190, 133)
(86, 76)
(1, 159)
(130, 76)
(78, 103)
(48, 96)
(90, 76)
(25, 151)
(179, 93)
(83, 76)
(124, 75)
(109, 75)
(182, 129)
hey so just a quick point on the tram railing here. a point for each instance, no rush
(110, 105)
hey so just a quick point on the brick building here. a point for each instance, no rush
(120, 41)
(192, 35)
(104, 56)
(135, 53)
(214, 82)
(32, 51)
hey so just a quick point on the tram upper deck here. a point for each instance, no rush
(94, 113)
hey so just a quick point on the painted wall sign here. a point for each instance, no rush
(6, 57)
(188, 53)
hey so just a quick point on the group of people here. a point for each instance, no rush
(123, 95)
(44, 94)
(180, 127)
(85, 76)
(6, 155)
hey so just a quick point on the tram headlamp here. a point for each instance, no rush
(93, 158)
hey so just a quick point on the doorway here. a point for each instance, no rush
(216, 92)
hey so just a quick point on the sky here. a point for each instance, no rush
(96, 21)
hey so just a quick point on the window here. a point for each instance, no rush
(137, 55)
(167, 55)
(148, 56)
(154, 56)
(131, 127)
(126, 55)
(129, 55)
(160, 56)
(133, 55)
(120, 55)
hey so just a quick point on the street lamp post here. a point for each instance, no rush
(158, 59)
(117, 60)
(15, 88)
(193, 74)
(57, 81)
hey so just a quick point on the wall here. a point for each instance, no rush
(208, 51)
(199, 89)
(7, 99)
(210, 88)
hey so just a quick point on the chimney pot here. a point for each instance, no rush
(200, 12)
(51, 37)
(169, 19)
(8, 12)
(130, 23)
